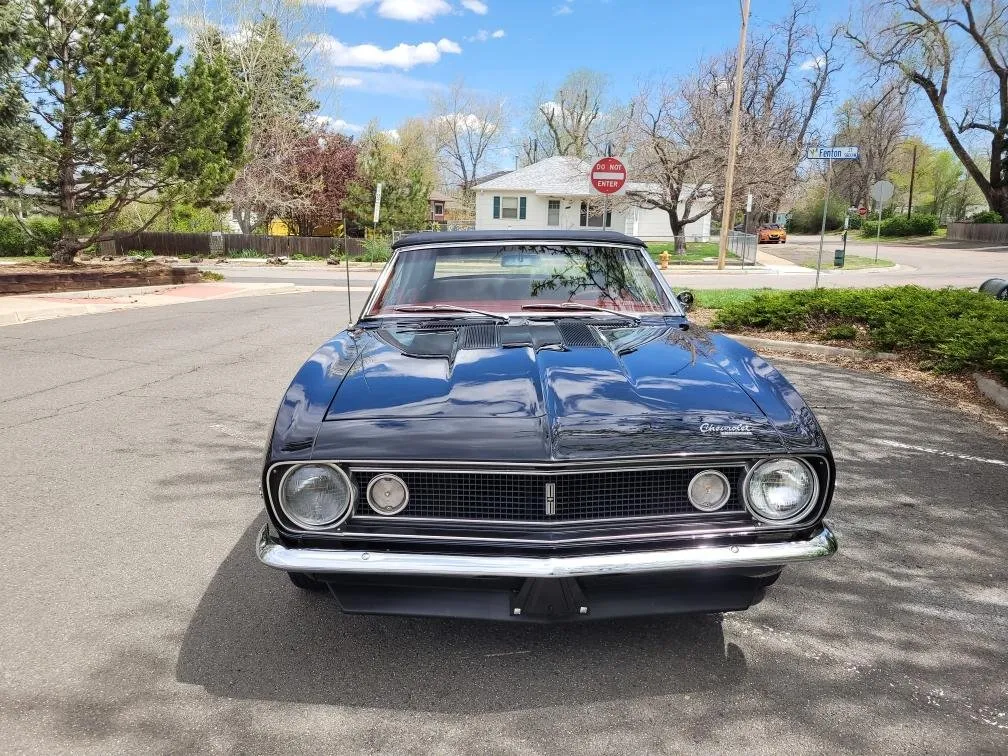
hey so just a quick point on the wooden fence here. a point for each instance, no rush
(992, 232)
(228, 245)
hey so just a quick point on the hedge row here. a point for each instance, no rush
(44, 233)
(948, 330)
(918, 224)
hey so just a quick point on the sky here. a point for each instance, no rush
(382, 59)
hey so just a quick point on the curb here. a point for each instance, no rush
(809, 348)
(993, 389)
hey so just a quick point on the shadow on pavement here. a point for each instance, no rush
(255, 636)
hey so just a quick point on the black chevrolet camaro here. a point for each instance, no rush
(527, 426)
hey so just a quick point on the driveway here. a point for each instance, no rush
(136, 619)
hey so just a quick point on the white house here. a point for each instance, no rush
(555, 193)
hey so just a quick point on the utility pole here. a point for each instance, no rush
(733, 139)
(913, 170)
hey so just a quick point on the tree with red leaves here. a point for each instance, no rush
(323, 164)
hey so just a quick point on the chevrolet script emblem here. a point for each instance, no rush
(551, 498)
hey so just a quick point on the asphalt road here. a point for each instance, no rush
(135, 618)
(929, 265)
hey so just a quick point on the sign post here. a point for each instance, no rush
(607, 176)
(377, 203)
(830, 154)
(881, 191)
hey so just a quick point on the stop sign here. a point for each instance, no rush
(862, 211)
(608, 175)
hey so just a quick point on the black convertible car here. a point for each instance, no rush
(526, 426)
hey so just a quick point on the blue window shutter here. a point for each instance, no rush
(496, 207)
(521, 208)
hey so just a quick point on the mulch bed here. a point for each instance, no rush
(45, 277)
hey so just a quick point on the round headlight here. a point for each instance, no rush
(315, 496)
(708, 491)
(781, 490)
(387, 494)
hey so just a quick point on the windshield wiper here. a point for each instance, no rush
(580, 306)
(451, 308)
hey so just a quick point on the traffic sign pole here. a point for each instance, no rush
(822, 231)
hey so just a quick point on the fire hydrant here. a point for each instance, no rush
(664, 258)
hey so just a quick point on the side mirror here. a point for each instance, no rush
(686, 299)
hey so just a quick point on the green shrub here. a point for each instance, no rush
(45, 232)
(987, 216)
(844, 332)
(12, 239)
(918, 224)
(375, 249)
(949, 330)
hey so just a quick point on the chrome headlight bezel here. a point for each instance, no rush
(313, 527)
(802, 513)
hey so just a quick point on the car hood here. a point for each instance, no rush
(554, 391)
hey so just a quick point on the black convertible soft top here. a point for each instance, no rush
(580, 236)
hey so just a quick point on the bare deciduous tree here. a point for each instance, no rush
(878, 126)
(579, 119)
(466, 127)
(956, 53)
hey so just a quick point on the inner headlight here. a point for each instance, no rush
(781, 490)
(708, 491)
(315, 496)
(387, 494)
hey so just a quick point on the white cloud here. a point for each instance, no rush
(400, 10)
(563, 10)
(338, 124)
(392, 83)
(403, 56)
(467, 121)
(412, 10)
(348, 81)
(483, 35)
(813, 64)
(476, 6)
(392, 134)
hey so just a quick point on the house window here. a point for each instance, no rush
(509, 208)
(595, 218)
(553, 213)
(439, 208)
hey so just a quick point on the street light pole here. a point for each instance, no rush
(733, 139)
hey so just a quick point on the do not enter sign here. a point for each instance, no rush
(862, 211)
(608, 175)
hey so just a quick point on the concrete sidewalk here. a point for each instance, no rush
(24, 308)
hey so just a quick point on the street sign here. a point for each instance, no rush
(862, 211)
(608, 175)
(882, 191)
(832, 153)
(748, 203)
(377, 202)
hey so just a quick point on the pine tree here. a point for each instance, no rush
(113, 120)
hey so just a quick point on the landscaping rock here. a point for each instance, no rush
(993, 389)
(276, 261)
(195, 259)
(332, 260)
(107, 258)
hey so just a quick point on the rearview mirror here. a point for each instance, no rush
(686, 299)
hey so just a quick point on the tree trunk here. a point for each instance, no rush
(997, 200)
(64, 252)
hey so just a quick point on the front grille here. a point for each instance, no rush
(522, 497)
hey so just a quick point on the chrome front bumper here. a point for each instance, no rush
(271, 552)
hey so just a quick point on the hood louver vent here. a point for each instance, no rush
(484, 336)
(575, 333)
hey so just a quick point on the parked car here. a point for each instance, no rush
(527, 426)
(772, 232)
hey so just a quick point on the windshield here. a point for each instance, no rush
(575, 279)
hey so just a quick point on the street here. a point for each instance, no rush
(925, 265)
(135, 617)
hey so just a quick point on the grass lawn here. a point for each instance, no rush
(715, 299)
(695, 251)
(851, 262)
